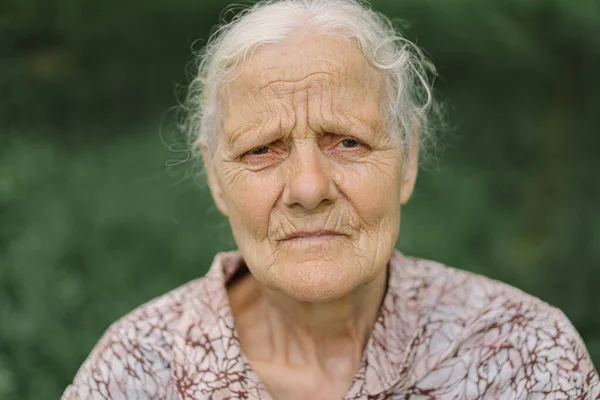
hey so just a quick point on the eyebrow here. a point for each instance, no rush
(351, 125)
(251, 130)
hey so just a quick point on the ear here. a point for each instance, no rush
(410, 169)
(213, 181)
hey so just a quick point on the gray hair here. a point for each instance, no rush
(406, 70)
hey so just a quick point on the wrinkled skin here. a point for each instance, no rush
(322, 161)
(312, 183)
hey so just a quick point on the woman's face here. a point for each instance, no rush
(305, 169)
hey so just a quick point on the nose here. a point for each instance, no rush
(308, 182)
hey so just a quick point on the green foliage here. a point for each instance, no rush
(86, 236)
(95, 219)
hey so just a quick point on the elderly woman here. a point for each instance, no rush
(308, 115)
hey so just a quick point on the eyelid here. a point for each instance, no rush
(350, 137)
(272, 147)
(249, 151)
(341, 136)
(257, 148)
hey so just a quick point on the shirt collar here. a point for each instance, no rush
(385, 363)
(386, 357)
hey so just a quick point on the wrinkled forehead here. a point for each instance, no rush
(328, 73)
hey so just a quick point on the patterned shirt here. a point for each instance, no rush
(441, 333)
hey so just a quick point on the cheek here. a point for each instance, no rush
(250, 198)
(374, 192)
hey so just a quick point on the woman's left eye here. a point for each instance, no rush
(350, 143)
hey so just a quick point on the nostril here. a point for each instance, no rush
(309, 189)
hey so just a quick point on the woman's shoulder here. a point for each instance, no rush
(514, 340)
(134, 356)
(476, 302)
(448, 289)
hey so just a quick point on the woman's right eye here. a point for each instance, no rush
(259, 150)
(265, 155)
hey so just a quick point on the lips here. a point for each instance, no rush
(313, 235)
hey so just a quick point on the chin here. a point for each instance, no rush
(319, 281)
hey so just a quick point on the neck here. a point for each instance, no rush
(274, 327)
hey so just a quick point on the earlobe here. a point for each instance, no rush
(213, 181)
(410, 171)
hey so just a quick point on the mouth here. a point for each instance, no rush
(313, 236)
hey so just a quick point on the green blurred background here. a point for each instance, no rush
(100, 211)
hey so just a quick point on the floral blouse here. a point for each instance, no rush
(441, 333)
